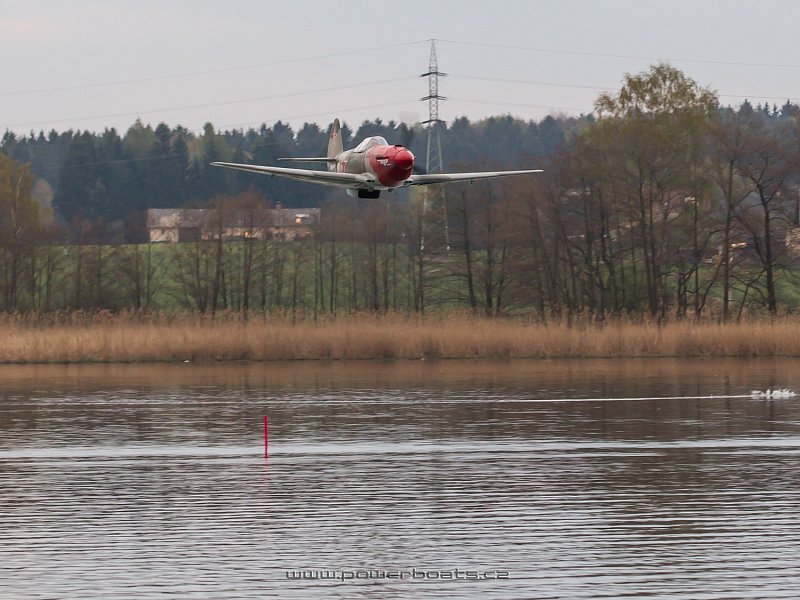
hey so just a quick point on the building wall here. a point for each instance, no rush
(163, 234)
(187, 225)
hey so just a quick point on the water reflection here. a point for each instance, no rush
(144, 481)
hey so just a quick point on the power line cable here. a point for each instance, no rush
(597, 87)
(107, 162)
(212, 104)
(626, 56)
(207, 72)
(523, 104)
(379, 82)
(333, 111)
(528, 82)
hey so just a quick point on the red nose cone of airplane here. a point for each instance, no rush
(404, 160)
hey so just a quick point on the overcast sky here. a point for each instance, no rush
(93, 64)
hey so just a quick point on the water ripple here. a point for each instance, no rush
(148, 493)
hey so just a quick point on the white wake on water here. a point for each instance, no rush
(770, 393)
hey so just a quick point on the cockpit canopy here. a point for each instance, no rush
(369, 142)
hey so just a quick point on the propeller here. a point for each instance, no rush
(406, 137)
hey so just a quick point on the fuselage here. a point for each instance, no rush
(390, 165)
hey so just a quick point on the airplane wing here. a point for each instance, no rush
(332, 178)
(450, 177)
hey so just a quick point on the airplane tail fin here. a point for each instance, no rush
(335, 140)
(335, 147)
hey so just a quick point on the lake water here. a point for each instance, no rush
(461, 479)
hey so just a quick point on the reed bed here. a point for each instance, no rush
(81, 338)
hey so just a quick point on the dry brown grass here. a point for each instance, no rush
(78, 337)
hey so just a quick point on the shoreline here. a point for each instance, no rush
(157, 338)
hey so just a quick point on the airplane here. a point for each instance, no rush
(368, 169)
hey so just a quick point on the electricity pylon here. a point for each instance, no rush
(434, 194)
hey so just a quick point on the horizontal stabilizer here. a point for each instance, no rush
(311, 159)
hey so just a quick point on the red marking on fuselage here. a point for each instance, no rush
(392, 165)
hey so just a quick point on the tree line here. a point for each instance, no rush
(112, 178)
(662, 203)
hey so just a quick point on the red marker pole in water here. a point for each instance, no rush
(266, 436)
